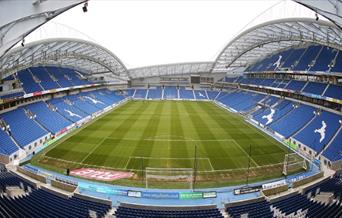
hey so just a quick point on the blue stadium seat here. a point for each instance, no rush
(7, 146)
(271, 115)
(71, 113)
(325, 58)
(295, 85)
(170, 92)
(334, 91)
(200, 94)
(259, 209)
(338, 64)
(45, 80)
(23, 129)
(131, 212)
(315, 88)
(51, 120)
(185, 93)
(155, 93)
(212, 94)
(309, 55)
(28, 83)
(293, 121)
(333, 152)
(312, 136)
(140, 93)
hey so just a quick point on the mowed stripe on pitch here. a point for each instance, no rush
(130, 130)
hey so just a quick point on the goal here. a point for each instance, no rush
(293, 163)
(180, 177)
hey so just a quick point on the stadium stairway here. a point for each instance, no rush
(147, 91)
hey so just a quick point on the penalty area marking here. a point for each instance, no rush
(89, 165)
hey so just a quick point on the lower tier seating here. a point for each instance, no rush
(132, 212)
(259, 209)
(42, 203)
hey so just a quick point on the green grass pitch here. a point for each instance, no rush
(165, 134)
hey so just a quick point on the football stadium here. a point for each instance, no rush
(256, 132)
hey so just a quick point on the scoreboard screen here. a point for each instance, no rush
(195, 79)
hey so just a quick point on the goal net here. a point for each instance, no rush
(293, 163)
(178, 177)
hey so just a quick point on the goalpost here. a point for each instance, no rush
(159, 176)
(292, 163)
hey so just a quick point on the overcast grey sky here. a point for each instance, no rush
(143, 33)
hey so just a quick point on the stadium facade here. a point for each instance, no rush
(283, 77)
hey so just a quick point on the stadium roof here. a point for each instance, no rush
(332, 10)
(88, 57)
(267, 38)
(20, 18)
(171, 69)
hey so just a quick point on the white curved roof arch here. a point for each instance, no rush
(267, 38)
(171, 69)
(88, 57)
(19, 18)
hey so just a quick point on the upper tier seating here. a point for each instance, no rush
(186, 93)
(311, 58)
(51, 120)
(324, 59)
(23, 129)
(170, 92)
(293, 58)
(259, 209)
(62, 80)
(28, 83)
(320, 131)
(308, 57)
(45, 79)
(74, 76)
(155, 93)
(37, 79)
(293, 121)
(337, 63)
(131, 212)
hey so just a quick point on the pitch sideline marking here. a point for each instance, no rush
(92, 150)
(239, 146)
